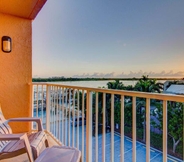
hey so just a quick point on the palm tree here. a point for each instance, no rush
(148, 85)
(115, 85)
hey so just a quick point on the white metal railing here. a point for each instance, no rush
(61, 104)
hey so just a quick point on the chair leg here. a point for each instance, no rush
(28, 148)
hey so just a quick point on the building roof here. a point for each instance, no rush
(27, 9)
(175, 89)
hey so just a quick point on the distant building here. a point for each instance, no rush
(174, 88)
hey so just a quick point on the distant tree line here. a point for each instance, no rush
(57, 79)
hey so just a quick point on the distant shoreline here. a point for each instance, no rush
(57, 79)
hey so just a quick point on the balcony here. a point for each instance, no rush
(96, 121)
(86, 118)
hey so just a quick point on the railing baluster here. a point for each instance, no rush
(122, 128)
(57, 112)
(77, 119)
(60, 120)
(32, 99)
(69, 111)
(104, 127)
(63, 115)
(37, 102)
(89, 128)
(164, 131)
(96, 126)
(51, 116)
(73, 120)
(134, 130)
(48, 108)
(42, 103)
(54, 114)
(82, 125)
(112, 127)
(66, 107)
(147, 129)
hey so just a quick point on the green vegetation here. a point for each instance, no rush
(145, 84)
(175, 121)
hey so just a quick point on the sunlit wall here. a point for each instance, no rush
(16, 69)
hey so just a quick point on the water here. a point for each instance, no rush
(96, 84)
(91, 84)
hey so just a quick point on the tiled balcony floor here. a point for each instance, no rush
(24, 158)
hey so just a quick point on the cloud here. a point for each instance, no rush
(131, 74)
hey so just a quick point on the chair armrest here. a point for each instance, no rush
(37, 120)
(22, 136)
(7, 137)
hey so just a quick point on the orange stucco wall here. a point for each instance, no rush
(16, 69)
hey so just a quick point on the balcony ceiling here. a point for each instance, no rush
(27, 9)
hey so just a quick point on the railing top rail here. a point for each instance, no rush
(159, 96)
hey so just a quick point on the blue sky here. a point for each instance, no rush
(120, 38)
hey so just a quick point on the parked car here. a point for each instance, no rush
(100, 129)
(80, 121)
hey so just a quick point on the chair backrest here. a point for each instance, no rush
(4, 128)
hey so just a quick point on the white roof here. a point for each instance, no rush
(176, 89)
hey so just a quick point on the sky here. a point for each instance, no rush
(105, 38)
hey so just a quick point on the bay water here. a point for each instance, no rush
(98, 83)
